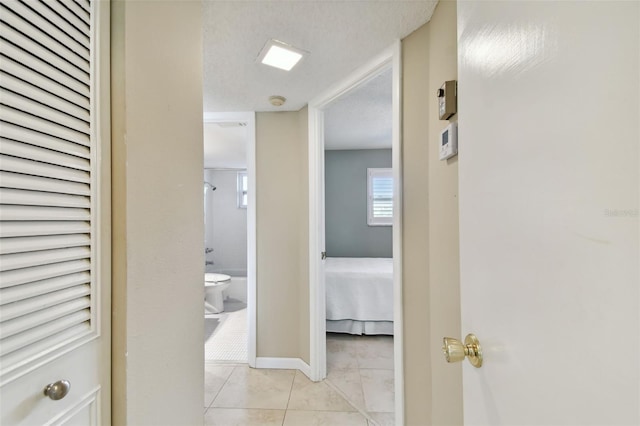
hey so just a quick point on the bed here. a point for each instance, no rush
(359, 295)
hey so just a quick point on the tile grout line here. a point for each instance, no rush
(220, 390)
(346, 398)
(286, 409)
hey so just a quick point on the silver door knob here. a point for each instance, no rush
(455, 351)
(57, 390)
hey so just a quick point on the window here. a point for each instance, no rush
(380, 197)
(242, 190)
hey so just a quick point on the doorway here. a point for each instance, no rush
(234, 179)
(388, 60)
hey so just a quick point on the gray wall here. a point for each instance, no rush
(225, 225)
(347, 232)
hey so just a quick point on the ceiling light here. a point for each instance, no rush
(280, 55)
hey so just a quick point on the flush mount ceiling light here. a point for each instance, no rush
(280, 55)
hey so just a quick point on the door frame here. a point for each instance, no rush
(249, 118)
(389, 58)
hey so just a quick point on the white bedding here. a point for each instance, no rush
(359, 289)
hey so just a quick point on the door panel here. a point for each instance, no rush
(23, 400)
(54, 208)
(549, 187)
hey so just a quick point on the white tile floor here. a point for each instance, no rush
(358, 390)
(226, 334)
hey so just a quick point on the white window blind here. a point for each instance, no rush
(46, 179)
(380, 197)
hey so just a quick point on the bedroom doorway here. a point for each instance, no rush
(355, 279)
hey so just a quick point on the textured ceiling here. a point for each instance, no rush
(362, 118)
(340, 36)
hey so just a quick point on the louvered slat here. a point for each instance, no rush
(13, 261)
(44, 82)
(35, 168)
(30, 152)
(32, 25)
(28, 337)
(43, 316)
(35, 198)
(75, 22)
(78, 10)
(44, 272)
(26, 244)
(83, 4)
(30, 91)
(47, 345)
(34, 304)
(28, 45)
(38, 288)
(29, 121)
(46, 112)
(31, 137)
(28, 228)
(41, 8)
(27, 215)
(16, 58)
(36, 183)
(46, 178)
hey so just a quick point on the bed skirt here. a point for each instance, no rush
(360, 327)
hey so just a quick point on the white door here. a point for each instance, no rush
(549, 222)
(54, 241)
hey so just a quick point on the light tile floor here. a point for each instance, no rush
(361, 367)
(358, 390)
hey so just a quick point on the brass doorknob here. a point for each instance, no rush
(57, 390)
(455, 351)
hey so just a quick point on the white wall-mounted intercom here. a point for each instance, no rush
(449, 141)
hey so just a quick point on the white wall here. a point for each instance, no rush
(225, 224)
(549, 97)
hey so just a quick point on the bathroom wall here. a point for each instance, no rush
(225, 224)
(347, 232)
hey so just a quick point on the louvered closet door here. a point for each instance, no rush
(49, 154)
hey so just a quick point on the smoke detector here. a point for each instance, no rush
(277, 100)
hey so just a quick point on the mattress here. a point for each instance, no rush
(359, 289)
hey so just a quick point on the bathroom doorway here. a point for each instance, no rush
(230, 238)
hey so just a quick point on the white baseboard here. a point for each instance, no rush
(284, 364)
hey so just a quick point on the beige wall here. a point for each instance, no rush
(282, 234)
(158, 257)
(433, 388)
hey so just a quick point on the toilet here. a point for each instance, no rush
(214, 284)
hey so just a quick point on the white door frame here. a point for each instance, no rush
(249, 118)
(391, 57)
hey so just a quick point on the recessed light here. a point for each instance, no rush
(280, 55)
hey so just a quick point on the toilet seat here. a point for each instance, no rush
(215, 278)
